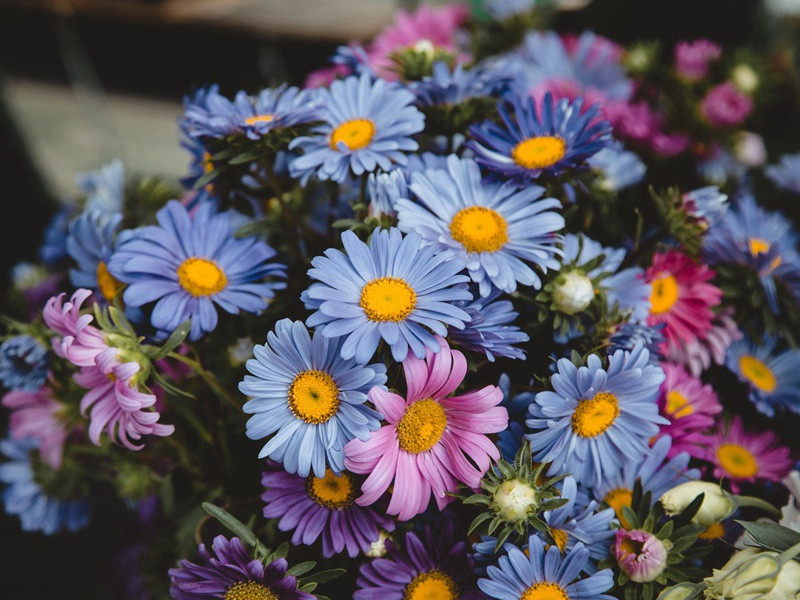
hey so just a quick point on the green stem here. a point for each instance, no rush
(208, 378)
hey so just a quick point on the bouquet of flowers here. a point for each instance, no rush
(482, 311)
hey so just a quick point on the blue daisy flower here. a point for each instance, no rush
(706, 203)
(90, 244)
(309, 397)
(54, 243)
(772, 376)
(187, 264)
(25, 498)
(104, 188)
(617, 168)
(720, 166)
(541, 574)
(786, 174)
(394, 288)
(448, 86)
(367, 125)
(628, 335)
(503, 9)
(529, 144)
(24, 363)
(491, 328)
(596, 418)
(497, 230)
(385, 189)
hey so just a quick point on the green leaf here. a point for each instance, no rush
(174, 340)
(252, 228)
(280, 552)
(232, 523)
(771, 535)
(301, 568)
(323, 576)
(481, 518)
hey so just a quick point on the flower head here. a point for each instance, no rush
(24, 363)
(692, 59)
(104, 188)
(36, 415)
(725, 106)
(752, 574)
(90, 244)
(617, 168)
(700, 353)
(717, 504)
(448, 86)
(706, 203)
(786, 174)
(491, 328)
(640, 555)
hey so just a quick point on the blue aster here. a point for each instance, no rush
(596, 418)
(366, 125)
(531, 143)
(706, 203)
(385, 189)
(394, 288)
(628, 335)
(54, 242)
(449, 86)
(786, 174)
(617, 168)
(773, 376)
(24, 363)
(308, 398)
(90, 244)
(188, 263)
(25, 498)
(104, 188)
(503, 9)
(491, 329)
(546, 572)
(498, 231)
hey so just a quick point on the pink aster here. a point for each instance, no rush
(681, 297)
(36, 415)
(640, 555)
(725, 106)
(431, 442)
(690, 405)
(739, 456)
(692, 59)
(699, 354)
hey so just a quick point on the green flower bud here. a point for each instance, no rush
(513, 500)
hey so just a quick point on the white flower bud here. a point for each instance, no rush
(572, 292)
(717, 504)
(513, 499)
(749, 149)
(745, 78)
(751, 574)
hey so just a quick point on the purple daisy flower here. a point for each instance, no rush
(323, 506)
(231, 573)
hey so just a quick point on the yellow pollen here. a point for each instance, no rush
(208, 164)
(539, 152)
(479, 229)
(593, 417)
(616, 499)
(108, 284)
(664, 294)
(714, 532)
(388, 299)
(422, 426)
(249, 590)
(737, 461)
(433, 585)
(758, 246)
(332, 491)
(259, 119)
(313, 397)
(678, 405)
(757, 373)
(356, 134)
(560, 538)
(201, 277)
(545, 590)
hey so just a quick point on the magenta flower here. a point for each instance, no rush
(640, 555)
(725, 106)
(36, 415)
(698, 354)
(692, 59)
(430, 441)
(640, 124)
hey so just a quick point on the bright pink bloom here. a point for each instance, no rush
(739, 456)
(669, 144)
(693, 58)
(691, 407)
(700, 353)
(640, 555)
(634, 121)
(681, 297)
(326, 76)
(429, 440)
(36, 415)
(725, 106)
(570, 89)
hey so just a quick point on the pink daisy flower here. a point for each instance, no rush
(725, 106)
(739, 456)
(36, 415)
(681, 297)
(699, 354)
(114, 402)
(690, 405)
(429, 440)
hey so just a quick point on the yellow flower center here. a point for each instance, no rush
(259, 119)
(479, 229)
(737, 460)
(208, 164)
(108, 284)
(714, 532)
(664, 294)
(539, 152)
(678, 405)
(545, 590)
(332, 491)
(313, 397)
(757, 373)
(355, 134)
(422, 426)
(759, 246)
(593, 417)
(560, 538)
(433, 585)
(249, 590)
(388, 299)
(618, 498)
(201, 277)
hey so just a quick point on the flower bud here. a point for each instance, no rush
(513, 500)
(749, 149)
(717, 504)
(751, 574)
(572, 292)
(640, 555)
(682, 591)
(745, 78)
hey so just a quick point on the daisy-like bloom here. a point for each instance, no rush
(740, 456)
(725, 106)
(617, 168)
(25, 497)
(596, 418)
(532, 143)
(691, 407)
(24, 363)
(628, 335)
(497, 231)
(90, 244)
(706, 203)
(433, 567)
(491, 329)
(699, 354)
(772, 377)
(640, 555)
(384, 190)
(229, 572)
(36, 415)
(540, 575)
(431, 441)
(786, 174)
(692, 59)
(449, 86)
(189, 263)
(394, 288)
(310, 397)
(54, 240)
(323, 506)
(104, 188)
(681, 297)
(366, 125)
